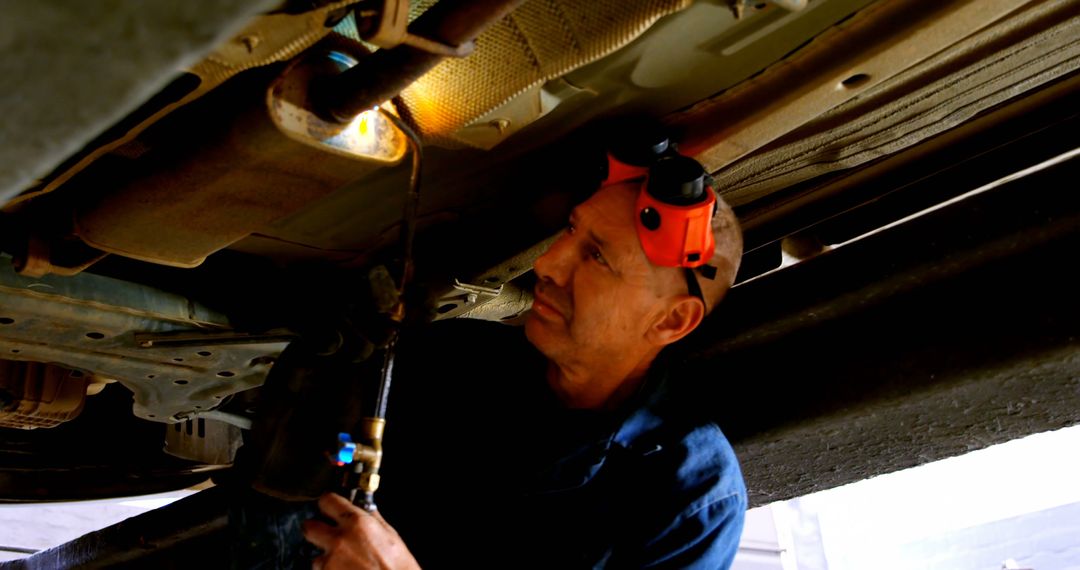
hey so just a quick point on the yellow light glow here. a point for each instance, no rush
(369, 135)
(363, 126)
(361, 131)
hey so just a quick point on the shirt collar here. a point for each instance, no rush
(641, 415)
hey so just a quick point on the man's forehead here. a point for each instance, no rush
(611, 204)
(609, 214)
(611, 207)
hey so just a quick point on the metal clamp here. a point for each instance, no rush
(477, 293)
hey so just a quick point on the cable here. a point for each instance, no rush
(412, 199)
(408, 235)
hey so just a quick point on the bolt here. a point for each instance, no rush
(738, 7)
(500, 125)
(261, 361)
(470, 298)
(250, 42)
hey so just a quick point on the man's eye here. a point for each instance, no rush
(599, 257)
(570, 228)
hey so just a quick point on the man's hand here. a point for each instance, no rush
(359, 539)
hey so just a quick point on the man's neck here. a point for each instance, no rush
(594, 388)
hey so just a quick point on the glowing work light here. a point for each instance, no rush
(369, 136)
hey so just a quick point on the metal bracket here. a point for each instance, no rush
(448, 301)
(387, 26)
(477, 293)
(460, 298)
(210, 338)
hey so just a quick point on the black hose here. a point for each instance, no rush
(408, 236)
(412, 198)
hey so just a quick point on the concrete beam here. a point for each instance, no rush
(951, 332)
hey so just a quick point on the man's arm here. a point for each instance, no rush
(358, 540)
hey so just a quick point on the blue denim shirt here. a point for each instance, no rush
(651, 486)
(668, 487)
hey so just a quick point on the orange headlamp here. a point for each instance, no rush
(674, 214)
(674, 208)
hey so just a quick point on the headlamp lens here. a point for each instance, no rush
(678, 180)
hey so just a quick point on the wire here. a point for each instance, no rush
(412, 199)
(306, 245)
(408, 235)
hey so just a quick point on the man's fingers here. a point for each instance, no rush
(367, 541)
(378, 516)
(337, 507)
(319, 533)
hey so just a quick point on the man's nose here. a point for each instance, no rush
(555, 265)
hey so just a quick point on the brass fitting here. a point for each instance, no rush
(368, 455)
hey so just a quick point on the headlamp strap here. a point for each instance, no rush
(708, 272)
(692, 284)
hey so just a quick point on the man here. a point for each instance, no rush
(635, 481)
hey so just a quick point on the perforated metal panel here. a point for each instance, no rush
(542, 40)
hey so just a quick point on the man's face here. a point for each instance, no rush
(597, 294)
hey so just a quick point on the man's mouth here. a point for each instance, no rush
(544, 307)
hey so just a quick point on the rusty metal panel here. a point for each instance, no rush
(89, 322)
(35, 395)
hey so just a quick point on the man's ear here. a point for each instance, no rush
(683, 314)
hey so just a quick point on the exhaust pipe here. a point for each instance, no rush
(387, 72)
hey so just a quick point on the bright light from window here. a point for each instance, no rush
(1017, 501)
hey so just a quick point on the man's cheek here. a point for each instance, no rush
(622, 319)
(585, 328)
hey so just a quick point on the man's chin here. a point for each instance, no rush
(539, 333)
(533, 325)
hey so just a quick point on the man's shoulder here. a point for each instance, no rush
(699, 459)
(673, 419)
(709, 465)
(693, 511)
(684, 454)
(684, 449)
